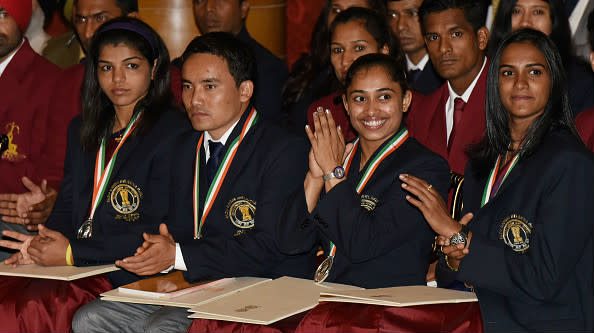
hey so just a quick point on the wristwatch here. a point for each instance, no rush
(338, 173)
(461, 237)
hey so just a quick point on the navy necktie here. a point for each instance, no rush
(215, 149)
(414, 74)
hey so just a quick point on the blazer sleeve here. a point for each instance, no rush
(363, 235)
(557, 241)
(254, 252)
(60, 218)
(296, 231)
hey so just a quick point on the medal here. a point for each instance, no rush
(85, 230)
(215, 186)
(102, 176)
(324, 269)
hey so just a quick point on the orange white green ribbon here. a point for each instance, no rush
(215, 186)
(102, 172)
(493, 177)
(388, 149)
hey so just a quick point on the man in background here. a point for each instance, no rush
(271, 73)
(403, 16)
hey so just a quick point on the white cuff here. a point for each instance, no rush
(180, 265)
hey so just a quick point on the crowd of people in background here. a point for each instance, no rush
(345, 168)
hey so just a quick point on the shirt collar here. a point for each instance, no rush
(420, 66)
(6, 61)
(466, 95)
(223, 138)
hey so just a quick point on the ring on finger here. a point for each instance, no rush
(429, 187)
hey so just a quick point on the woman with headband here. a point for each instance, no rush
(116, 174)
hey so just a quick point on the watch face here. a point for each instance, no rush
(457, 239)
(338, 172)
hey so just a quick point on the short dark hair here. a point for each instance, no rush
(475, 11)
(127, 6)
(394, 67)
(375, 24)
(560, 31)
(591, 29)
(238, 55)
(97, 109)
(557, 112)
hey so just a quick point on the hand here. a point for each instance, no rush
(430, 203)
(156, 254)
(22, 257)
(327, 142)
(29, 208)
(314, 169)
(455, 253)
(50, 248)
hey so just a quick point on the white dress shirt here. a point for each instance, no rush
(420, 66)
(449, 107)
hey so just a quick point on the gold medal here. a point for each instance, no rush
(324, 270)
(86, 230)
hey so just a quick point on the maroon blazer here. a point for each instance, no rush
(426, 122)
(585, 126)
(333, 102)
(35, 134)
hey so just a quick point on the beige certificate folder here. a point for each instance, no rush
(399, 296)
(266, 303)
(65, 273)
(209, 293)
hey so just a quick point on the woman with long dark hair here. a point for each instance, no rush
(550, 18)
(353, 33)
(527, 250)
(117, 165)
(311, 75)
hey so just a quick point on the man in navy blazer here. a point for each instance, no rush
(234, 174)
(403, 16)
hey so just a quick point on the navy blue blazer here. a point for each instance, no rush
(428, 80)
(135, 200)
(531, 252)
(237, 236)
(381, 239)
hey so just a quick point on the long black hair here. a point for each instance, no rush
(560, 32)
(98, 113)
(317, 62)
(557, 112)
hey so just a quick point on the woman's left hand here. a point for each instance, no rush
(50, 248)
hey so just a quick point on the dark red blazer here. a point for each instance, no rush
(333, 102)
(37, 136)
(426, 122)
(585, 126)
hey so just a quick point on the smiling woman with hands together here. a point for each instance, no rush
(352, 203)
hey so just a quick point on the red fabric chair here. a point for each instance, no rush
(39, 305)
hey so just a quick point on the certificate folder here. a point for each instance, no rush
(208, 293)
(166, 286)
(266, 303)
(64, 273)
(399, 296)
